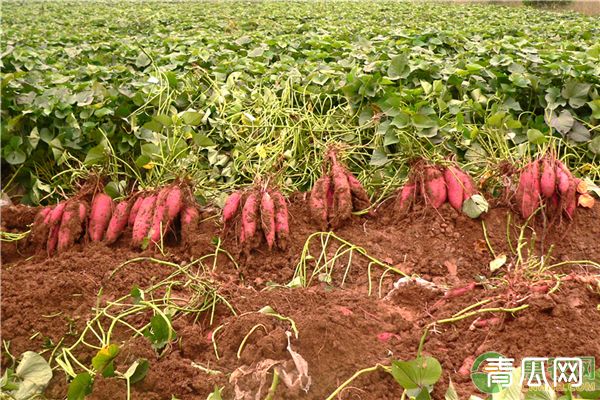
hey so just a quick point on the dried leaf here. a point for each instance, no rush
(586, 200)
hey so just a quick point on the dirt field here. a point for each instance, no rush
(47, 301)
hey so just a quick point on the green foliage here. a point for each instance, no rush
(417, 376)
(184, 90)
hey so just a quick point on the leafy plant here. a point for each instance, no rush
(29, 379)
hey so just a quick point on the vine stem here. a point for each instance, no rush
(353, 377)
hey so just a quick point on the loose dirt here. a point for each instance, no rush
(349, 317)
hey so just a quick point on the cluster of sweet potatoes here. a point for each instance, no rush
(547, 182)
(336, 194)
(264, 218)
(149, 215)
(435, 185)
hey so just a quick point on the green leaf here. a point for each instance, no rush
(576, 93)
(475, 205)
(594, 145)
(595, 106)
(401, 120)
(535, 137)
(423, 121)
(215, 395)
(378, 158)
(158, 332)
(137, 371)
(579, 133)
(390, 138)
(142, 60)
(192, 118)
(15, 157)
(80, 387)
(97, 154)
(563, 122)
(588, 382)
(104, 357)
(398, 67)
(417, 373)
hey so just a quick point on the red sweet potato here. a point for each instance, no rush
(486, 323)
(250, 220)
(454, 187)
(467, 184)
(528, 191)
(134, 210)
(360, 198)
(231, 207)
(54, 218)
(548, 178)
(267, 218)
(460, 291)
(102, 207)
(143, 221)
(70, 226)
(435, 187)
(406, 198)
(318, 201)
(190, 217)
(52, 240)
(118, 221)
(569, 199)
(342, 197)
(160, 216)
(174, 203)
(563, 177)
(83, 210)
(282, 228)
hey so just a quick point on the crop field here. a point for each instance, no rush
(298, 200)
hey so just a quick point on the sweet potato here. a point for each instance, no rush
(160, 215)
(342, 197)
(54, 218)
(460, 291)
(360, 198)
(143, 221)
(434, 187)
(70, 226)
(467, 184)
(548, 178)
(569, 199)
(134, 210)
(486, 323)
(174, 203)
(454, 187)
(406, 197)
(528, 191)
(282, 227)
(118, 221)
(267, 218)
(250, 220)
(231, 207)
(563, 177)
(52, 240)
(102, 207)
(190, 217)
(83, 210)
(318, 201)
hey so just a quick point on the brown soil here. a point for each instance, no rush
(47, 301)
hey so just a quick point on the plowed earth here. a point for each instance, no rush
(47, 301)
